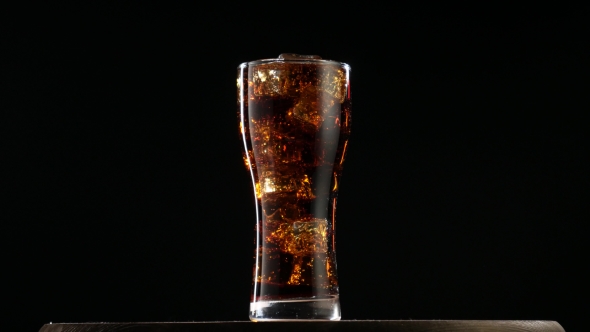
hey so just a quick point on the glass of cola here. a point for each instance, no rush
(295, 115)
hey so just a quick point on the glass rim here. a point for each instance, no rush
(310, 61)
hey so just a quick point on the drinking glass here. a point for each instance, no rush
(295, 116)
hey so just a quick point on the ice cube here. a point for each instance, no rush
(285, 179)
(300, 238)
(290, 79)
(293, 56)
(268, 80)
(307, 108)
(332, 80)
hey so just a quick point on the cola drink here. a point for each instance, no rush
(295, 117)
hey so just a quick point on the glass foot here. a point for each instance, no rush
(296, 310)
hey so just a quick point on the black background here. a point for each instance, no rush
(464, 194)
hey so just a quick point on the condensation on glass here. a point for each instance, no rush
(295, 116)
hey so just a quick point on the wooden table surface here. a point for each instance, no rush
(341, 326)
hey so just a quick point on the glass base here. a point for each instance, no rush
(296, 310)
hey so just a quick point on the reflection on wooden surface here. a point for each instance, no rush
(341, 326)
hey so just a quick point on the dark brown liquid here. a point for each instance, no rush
(295, 119)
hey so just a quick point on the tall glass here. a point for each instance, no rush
(294, 114)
